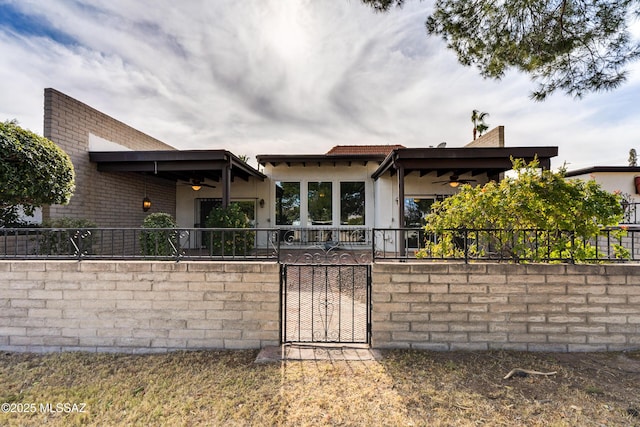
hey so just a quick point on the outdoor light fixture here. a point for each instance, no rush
(454, 184)
(146, 204)
(196, 187)
(261, 203)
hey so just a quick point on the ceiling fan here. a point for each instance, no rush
(197, 184)
(454, 181)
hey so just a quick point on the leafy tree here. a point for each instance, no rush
(633, 157)
(535, 215)
(33, 170)
(479, 126)
(576, 46)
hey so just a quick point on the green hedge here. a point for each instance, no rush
(159, 242)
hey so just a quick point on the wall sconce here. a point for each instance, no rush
(261, 203)
(146, 204)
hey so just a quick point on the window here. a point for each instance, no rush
(287, 203)
(416, 208)
(352, 205)
(320, 203)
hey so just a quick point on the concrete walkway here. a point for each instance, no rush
(317, 352)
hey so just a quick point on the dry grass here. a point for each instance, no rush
(405, 388)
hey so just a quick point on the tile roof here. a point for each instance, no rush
(346, 150)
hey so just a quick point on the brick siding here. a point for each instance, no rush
(493, 138)
(109, 199)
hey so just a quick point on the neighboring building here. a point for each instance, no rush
(350, 186)
(622, 179)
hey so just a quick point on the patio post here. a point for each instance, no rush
(401, 237)
(226, 184)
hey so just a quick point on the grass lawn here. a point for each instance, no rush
(405, 388)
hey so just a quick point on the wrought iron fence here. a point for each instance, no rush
(229, 244)
(631, 213)
(327, 238)
(611, 244)
(333, 244)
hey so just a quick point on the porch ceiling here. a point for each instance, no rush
(176, 165)
(443, 161)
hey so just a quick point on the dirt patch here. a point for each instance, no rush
(403, 388)
(600, 389)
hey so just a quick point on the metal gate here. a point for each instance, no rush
(326, 303)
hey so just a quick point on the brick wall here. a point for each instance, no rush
(516, 307)
(109, 199)
(137, 306)
(493, 138)
(158, 306)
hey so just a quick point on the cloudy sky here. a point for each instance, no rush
(286, 76)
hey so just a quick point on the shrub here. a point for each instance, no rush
(536, 215)
(161, 242)
(67, 236)
(229, 243)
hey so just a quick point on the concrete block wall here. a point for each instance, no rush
(137, 306)
(109, 199)
(493, 138)
(514, 307)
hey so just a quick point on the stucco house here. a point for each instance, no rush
(622, 179)
(349, 187)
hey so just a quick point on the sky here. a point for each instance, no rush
(287, 76)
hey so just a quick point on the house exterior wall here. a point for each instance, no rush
(323, 173)
(614, 181)
(441, 306)
(381, 194)
(253, 190)
(108, 199)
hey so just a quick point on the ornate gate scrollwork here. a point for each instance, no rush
(326, 303)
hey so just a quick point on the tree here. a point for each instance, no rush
(33, 170)
(535, 215)
(479, 126)
(577, 46)
(633, 157)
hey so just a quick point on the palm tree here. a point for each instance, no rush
(479, 126)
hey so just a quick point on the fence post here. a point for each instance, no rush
(78, 237)
(373, 244)
(178, 248)
(466, 245)
(573, 247)
(278, 234)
